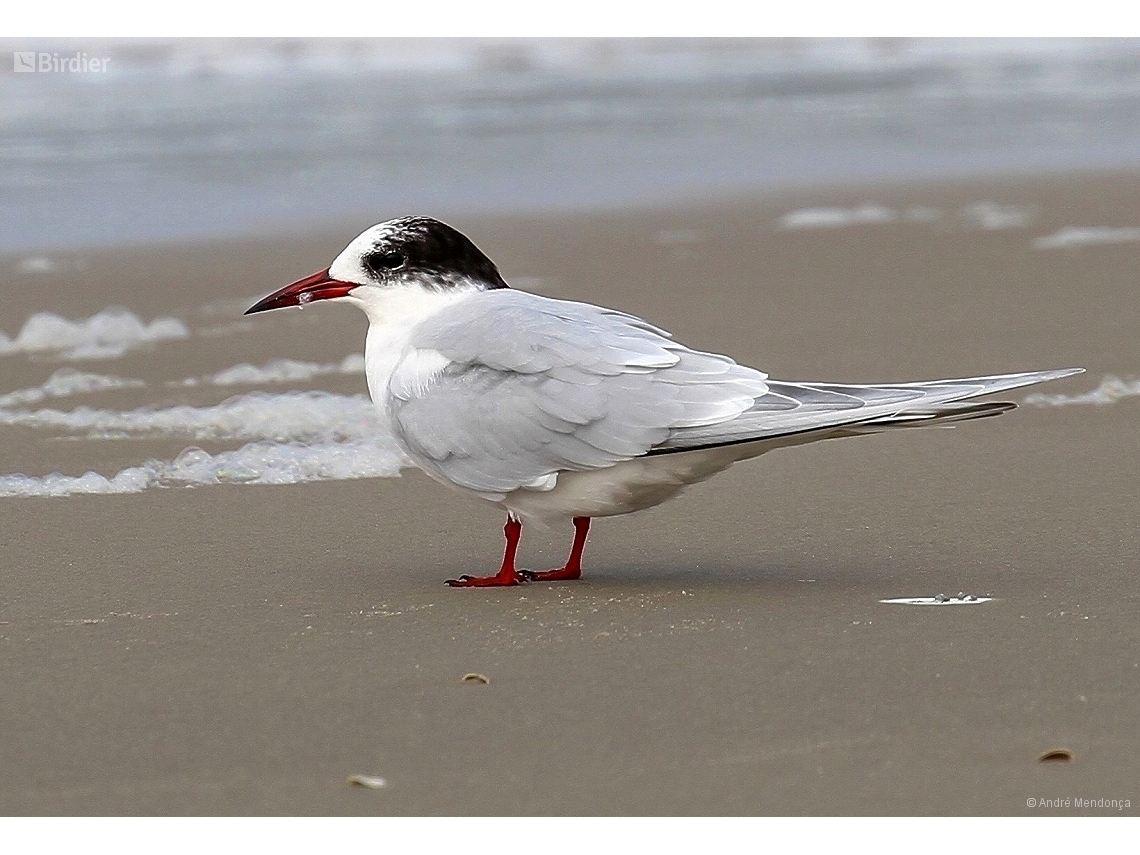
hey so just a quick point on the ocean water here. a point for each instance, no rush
(198, 138)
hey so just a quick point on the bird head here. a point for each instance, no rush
(402, 258)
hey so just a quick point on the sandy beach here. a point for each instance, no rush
(243, 649)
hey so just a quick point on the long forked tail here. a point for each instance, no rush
(947, 401)
(801, 412)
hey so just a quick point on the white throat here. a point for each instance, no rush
(404, 304)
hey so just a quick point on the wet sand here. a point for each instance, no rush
(243, 649)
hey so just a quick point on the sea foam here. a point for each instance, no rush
(66, 382)
(832, 218)
(992, 216)
(297, 437)
(310, 416)
(1110, 390)
(255, 463)
(279, 371)
(106, 335)
(986, 215)
(1072, 236)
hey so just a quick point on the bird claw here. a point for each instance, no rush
(501, 579)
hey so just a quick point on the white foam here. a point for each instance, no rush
(128, 481)
(831, 218)
(1110, 390)
(283, 371)
(985, 215)
(991, 216)
(37, 264)
(105, 335)
(1085, 236)
(255, 463)
(65, 382)
(310, 416)
(296, 437)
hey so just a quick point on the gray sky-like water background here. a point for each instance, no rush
(198, 138)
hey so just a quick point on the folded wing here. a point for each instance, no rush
(504, 389)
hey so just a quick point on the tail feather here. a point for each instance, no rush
(835, 409)
(947, 415)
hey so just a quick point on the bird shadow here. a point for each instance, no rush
(729, 575)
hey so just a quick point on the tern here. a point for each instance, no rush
(559, 410)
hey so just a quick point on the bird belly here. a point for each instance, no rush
(631, 485)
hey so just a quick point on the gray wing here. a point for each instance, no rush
(505, 388)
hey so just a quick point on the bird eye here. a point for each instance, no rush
(378, 262)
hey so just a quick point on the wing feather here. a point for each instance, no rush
(532, 386)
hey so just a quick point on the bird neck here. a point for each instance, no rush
(406, 306)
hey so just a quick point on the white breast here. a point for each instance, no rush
(384, 347)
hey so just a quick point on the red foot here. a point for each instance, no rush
(506, 576)
(573, 568)
(562, 574)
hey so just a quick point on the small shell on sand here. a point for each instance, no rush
(372, 782)
(940, 600)
(476, 678)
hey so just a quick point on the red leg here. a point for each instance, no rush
(507, 574)
(573, 568)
